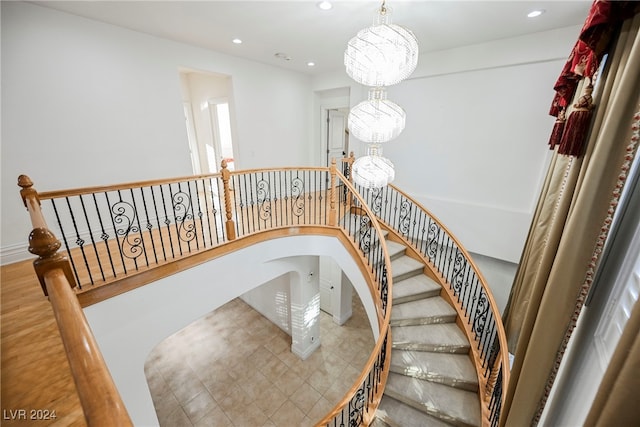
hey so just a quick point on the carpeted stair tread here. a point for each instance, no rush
(455, 406)
(439, 338)
(421, 312)
(393, 413)
(395, 249)
(405, 267)
(454, 370)
(413, 288)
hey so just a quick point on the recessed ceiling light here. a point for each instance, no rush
(237, 41)
(311, 64)
(535, 13)
(324, 5)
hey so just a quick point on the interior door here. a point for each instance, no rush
(330, 281)
(337, 137)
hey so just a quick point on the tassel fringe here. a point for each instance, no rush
(577, 127)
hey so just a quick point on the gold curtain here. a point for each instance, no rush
(616, 403)
(557, 263)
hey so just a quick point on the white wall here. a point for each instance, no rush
(89, 103)
(474, 150)
(127, 327)
(86, 103)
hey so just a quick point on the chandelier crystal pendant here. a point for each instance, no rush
(378, 56)
(383, 54)
(377, 119)
(373, 170)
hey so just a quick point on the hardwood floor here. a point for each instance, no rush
(35, 376)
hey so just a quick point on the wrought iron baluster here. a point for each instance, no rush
(149, 225)
(93, 243)
(197, 235)
(155, 208)
(176, 219)
(206, 194)
(115, 231)
(104, 236)
(137, 217)
(167, 221)
(79, 240)
(66, 244)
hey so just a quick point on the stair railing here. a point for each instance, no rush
(99, 397)
(466, 286)
(114, 233)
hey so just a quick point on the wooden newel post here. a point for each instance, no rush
(350, 160)
(31, 201)
(333, 214)
(229, 224)
(42, 242)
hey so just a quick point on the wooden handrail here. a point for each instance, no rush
(53, 271)
(384, 320)
(502, 339)
(99, 397)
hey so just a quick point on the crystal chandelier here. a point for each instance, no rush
(378, 56)
(383, 54)
(376, 119)
(373, 170)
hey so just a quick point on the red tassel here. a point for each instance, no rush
(577, 126)
(558, 128)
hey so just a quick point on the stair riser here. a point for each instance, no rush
(427, 410)
(416, 297)
(432, 320)
(407, 275)
(435, 378)
(463, 349)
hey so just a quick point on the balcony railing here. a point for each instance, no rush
(114, 235)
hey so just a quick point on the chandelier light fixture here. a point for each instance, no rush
(377, 119)
(373, 170)
(383, 54)
(378, 56)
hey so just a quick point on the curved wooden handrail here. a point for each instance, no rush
(53, 271)
(503, 362)
(383, 344)
(99, 397)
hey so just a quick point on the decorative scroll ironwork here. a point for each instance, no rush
(449, 260)
(264, 204)
(404, 223)
(297, 196)
(356, 408)
(124, 218)
(183, 216)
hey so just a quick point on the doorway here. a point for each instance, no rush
(207, 103)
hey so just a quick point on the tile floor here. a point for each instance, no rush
(219, 372)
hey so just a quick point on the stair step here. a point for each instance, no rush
(454, 406)
(414, 288)
(422, 312)
(395, 249)
(393, 413)
(437, 338)
(453, 370)
(404, 267)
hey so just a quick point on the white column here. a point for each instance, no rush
(305, 307)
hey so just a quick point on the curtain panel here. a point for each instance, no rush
(567, 234)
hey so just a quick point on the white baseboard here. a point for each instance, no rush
(341, 318)
(307, 351)
(15, 253)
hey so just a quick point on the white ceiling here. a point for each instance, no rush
(306, 33)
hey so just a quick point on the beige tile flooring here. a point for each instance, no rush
(234, 367)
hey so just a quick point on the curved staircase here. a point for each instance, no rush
(432, 380)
